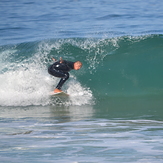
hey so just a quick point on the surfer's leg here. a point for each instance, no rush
(62, 81)
(60, 74)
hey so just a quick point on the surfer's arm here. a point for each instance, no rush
(61, 60)
(54, 59)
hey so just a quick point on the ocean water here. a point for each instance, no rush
(115, 109)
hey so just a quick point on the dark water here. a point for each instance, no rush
(25, 21)
(114, 111)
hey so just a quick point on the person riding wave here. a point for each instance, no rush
(60, 69)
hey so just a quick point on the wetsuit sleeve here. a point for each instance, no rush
(65, 66)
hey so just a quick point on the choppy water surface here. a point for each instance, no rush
(114, 111)
(74, 134)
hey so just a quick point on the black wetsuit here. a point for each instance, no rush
(61, 70)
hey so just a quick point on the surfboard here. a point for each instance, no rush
(59, 94)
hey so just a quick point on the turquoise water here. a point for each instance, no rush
(114, 111)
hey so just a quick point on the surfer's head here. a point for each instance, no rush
(77, 65)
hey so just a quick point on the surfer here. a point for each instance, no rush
(60, 69)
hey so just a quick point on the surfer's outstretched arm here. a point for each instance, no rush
(53, 59)
(61, 60)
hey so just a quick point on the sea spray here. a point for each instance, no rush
(25, 81)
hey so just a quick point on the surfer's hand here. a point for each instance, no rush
(61, 60)
(53, 59)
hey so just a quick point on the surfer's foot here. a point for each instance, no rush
(57, 90)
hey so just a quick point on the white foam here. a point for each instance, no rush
(31, 86)
(25, 80)
(23, 87)
(79, 95)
